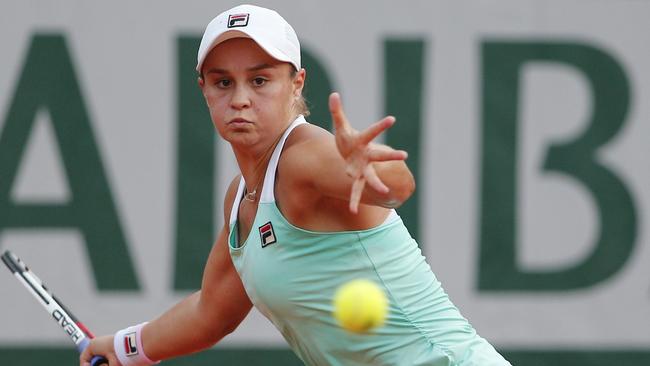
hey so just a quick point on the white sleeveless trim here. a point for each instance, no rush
(269, 179)
(234, 211)
(267, 194)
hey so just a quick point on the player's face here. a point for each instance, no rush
(250, 95)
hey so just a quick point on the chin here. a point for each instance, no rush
(240, 138)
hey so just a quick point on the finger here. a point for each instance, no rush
(112, 360)
(386, 154)
(100, 361)
(338, 116)
(84, 357)
(375, 129)
(373, 180)
(355, 196)
(88, 359)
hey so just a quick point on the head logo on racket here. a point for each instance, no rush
(75, 329)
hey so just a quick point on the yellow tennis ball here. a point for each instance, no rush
(360, 305)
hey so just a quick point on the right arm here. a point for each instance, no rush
(205, 317)
(200, 320)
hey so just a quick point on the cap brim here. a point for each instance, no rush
(260, 40)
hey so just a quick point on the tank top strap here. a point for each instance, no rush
(269, 178)
(234, 211)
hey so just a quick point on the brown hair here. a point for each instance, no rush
(300, 105)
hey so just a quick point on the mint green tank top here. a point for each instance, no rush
(291, 274)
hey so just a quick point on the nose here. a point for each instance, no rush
(240, 98)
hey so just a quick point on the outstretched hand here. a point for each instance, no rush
(359, 152)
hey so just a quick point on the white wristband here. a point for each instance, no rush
(128, 347)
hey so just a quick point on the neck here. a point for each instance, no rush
(253, 167)
(253, 161)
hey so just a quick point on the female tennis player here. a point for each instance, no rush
(309, 212)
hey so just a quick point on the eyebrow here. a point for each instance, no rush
(254, 68)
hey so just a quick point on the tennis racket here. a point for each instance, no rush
(77, 332)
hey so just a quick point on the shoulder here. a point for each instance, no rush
(306, 146)
(230, 199)
(307, 133)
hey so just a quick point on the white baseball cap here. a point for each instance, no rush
(264, 26)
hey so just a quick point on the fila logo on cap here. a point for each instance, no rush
(267, 235)
(237, 20)
(130, 347)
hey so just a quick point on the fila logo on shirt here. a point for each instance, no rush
(130, 346)
(267, 235)
(237, 20)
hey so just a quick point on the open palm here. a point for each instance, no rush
(359, 152)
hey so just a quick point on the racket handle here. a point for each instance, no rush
(98, 361)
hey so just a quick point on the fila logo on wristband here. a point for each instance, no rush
(130, 344)
(127, 344)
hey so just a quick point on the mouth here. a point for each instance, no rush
(237, 121)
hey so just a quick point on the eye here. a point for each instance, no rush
(223, 83)
(259, 81)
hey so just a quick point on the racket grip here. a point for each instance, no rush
(98, 361)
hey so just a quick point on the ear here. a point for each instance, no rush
(201, 83)
(299, 82)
